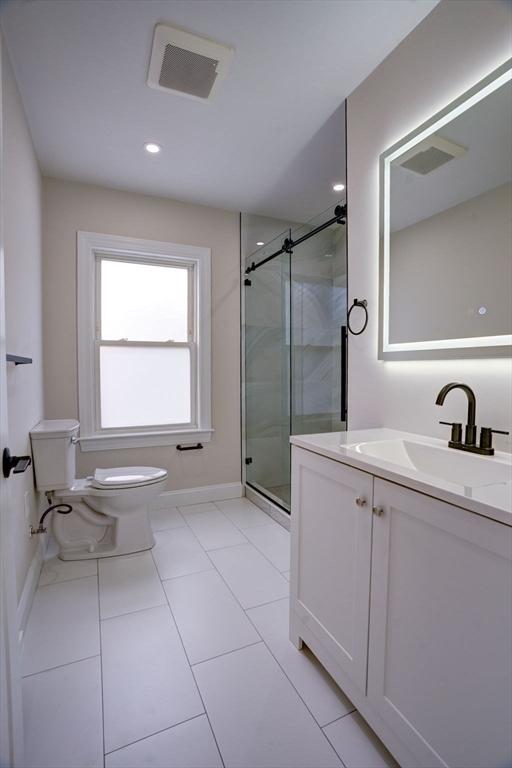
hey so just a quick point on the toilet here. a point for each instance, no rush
(110, 508)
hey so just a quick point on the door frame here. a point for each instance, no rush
(11, 714)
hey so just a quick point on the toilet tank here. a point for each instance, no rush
(53, 451)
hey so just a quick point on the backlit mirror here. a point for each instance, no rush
(446, 231)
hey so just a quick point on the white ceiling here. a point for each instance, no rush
(271, 140)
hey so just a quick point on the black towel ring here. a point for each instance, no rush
(364, 304)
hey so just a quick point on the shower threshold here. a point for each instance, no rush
(277, 494)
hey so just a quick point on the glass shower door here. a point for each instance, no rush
(295, 309)
(267, 376)
(318, 276)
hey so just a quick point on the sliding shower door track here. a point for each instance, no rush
(270, 497)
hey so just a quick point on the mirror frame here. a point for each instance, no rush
(479, 346)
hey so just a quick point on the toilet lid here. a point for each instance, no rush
(127, 477)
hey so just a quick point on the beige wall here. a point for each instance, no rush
(453, 48)
(69, 207)
(442, 269)
(22, 242)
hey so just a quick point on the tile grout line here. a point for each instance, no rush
(224, 653)
(277, 662)
(224, 580)
(172, 528)
(191, 666)
(179, 633)
(263, 525)
(150, 735)
(331, 722)
(260, 605)
(207, 715)
(236, 649)
(135, 610)
(213, 549)
(101, 664)
(297, 692)
(258, 525)
(59, 666)
(267, 558)
(65, 581)
(229, 588)
(257, 550)
(268, 648)
(166, 605)
(335, 750)
(191, 670)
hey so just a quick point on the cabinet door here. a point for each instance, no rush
(440, 652)
(331, 546)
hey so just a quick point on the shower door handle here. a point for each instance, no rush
(343, 373)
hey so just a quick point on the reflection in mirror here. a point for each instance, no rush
(447, 230)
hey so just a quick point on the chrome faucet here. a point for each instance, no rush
(485, 448)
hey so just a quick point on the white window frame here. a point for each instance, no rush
(91, 247)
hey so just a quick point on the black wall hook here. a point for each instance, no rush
(364, 305)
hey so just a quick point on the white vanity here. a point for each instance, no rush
(401, 584)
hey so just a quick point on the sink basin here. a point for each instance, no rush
(446, 464)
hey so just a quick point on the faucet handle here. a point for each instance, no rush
(486, 434)
(456, 430)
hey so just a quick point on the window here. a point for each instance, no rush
(143, 342)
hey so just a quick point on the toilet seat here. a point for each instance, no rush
(126, 477)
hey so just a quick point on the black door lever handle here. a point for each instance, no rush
(15, 464)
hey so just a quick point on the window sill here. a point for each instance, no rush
(143, 439)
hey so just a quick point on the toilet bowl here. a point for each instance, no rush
(110, 508)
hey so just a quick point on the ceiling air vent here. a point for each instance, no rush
(186, 64)
(429, 154)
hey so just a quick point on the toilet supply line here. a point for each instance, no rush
(53, 508)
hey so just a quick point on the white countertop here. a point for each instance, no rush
(493, 500)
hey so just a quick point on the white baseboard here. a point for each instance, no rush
(275, 512)
(29, 588)
(201, 495)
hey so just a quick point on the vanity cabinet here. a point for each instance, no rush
(331, 558)
(440, 651)
(416, 591)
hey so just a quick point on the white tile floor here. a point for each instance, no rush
(180, 658)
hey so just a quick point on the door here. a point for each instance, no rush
(318, 278)
(331, 552)
(295, 362)
(11, 737)
(267, 377)
(440, 661)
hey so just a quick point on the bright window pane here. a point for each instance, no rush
(143, 302)
(144, 386)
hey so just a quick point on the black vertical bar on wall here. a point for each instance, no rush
(344, 334)
(291, 361)
(243, 413)
(343, 372)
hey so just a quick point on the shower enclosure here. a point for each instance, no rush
(294, 350)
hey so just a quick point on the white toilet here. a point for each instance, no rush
(110, 509)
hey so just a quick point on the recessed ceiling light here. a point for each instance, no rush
(338, 187)
(152, 148)
(260, 243)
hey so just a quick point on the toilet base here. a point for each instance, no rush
(87, 535)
